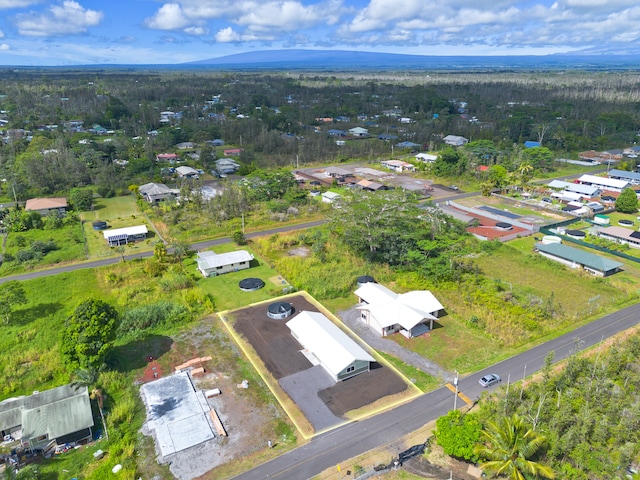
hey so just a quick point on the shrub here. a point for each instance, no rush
(176, 281)
(149, 316)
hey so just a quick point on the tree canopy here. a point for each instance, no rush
(627, 201)
(89, 333)
(11, 294)
(458, 433)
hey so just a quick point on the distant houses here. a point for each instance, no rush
(455, 140)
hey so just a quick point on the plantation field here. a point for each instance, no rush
(118, 212)
(68, 240)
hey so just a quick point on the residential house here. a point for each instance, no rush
(187, 172)
(426, 157)
(185, 146)
(576, 258)
(227, 166)
(370, 186)
(167, 157)
(337, 133)
(358, 132)
(44, 206)
(325, 344)
(216, 143)
(599, 157)
(387, 312)
(398, 166)
(604, 183)
(61, 414)
(455, 140)
(211, 263)
(157, 192)
(337, 172)
(573, 191)
(342, 119)
(387, 137)
(233, 152)
(621, 235)
(126, 235)
(632, 177)
(408, 145)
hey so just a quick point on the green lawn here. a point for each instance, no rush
(118, 212)
(68, 239)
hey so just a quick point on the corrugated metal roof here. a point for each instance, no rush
(117, 232)
(331, 346)
(586, 259)
(211, 259)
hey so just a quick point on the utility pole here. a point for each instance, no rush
(455, 398)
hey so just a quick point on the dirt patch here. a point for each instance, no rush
(152, 372)
(299, 252)
(278, 280)
(280, 353)
(377, 383)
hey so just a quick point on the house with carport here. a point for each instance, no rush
(604, 183)
(62, 414)
(323, 343)
(412, 313)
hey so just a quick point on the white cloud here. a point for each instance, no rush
(196, 31)
(1, 34)
(69, 18)
(227, 35)
(4, 47)
(6, 4)
(169, 17)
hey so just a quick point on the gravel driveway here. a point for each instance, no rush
(351, 318)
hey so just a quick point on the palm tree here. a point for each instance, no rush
(87, 377)
(508, 448)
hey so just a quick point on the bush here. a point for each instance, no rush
(149, 316)
(176, 281)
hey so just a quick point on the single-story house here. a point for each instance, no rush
(233, 152)
(325, 344)
(167, 157)
(455, 140)
(370, 186)
(337, 172)
(426, 157)
(358, 132)
(187, 172)
(45, 205)
(632, 177)
(582, 190)
(216, 143)
(156, 192)
(226, 165)
(398, 166)
(211, 263)
(330, 197)
(411, 313)
(337, 133)
(62, 414)
(621, 235)
(576, 258)
(604, 183)
(599, 157)
(185, 145)
(408, 145)
(387, 137)
(126, 235)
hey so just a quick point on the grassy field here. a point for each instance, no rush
(118, 212)
(69, 241)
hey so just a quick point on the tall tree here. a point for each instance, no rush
(11, 294)
(89, 333)
(508, 448)
(627, 201)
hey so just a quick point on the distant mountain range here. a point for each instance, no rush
(351, 60)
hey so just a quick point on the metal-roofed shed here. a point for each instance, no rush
(576, 258)
(338, 353)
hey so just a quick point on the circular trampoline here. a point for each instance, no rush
(362, 279)
(504, 226)
(575, 233)
(250, 284)
(279, 310)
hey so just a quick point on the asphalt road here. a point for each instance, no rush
(112, 260)
(331, 448)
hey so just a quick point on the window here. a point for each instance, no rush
(350, 369)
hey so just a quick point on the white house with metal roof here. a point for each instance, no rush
(579, 189)
(325, 344)
(632, 177)
(604, 183)
(123, 236)
(576, 258)
(211, 263)
(62, 414)
(411, 313)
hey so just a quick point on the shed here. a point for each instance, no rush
(330, 197)
(324, 342)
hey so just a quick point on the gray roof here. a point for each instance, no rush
(55, 413)
(154, 189)
(624, 175)
(211, 259)
(586, 259)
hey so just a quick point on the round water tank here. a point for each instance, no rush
(279, 310)
(625, 223)
(362, 279)
(547, 239)
(575, 233)
(99, 225)
(503, 226)
(250, 284)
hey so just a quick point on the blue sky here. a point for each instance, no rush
(72, 32)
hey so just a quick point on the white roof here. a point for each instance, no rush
(389, 308)
(606, 182)
(427, 157)
(330, 345)
(137, 230)
(331, 195)
(184, 170)
(590, 190)
(211, 259)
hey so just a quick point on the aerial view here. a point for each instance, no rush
(319, 240)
